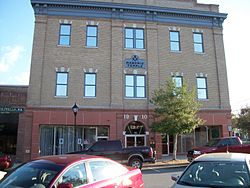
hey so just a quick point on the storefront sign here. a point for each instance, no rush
(11, 109)
(136, 117)
(134, 62)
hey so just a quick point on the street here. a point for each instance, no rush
(160, 178)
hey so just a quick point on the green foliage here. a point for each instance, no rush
(243, 119)
(176, 109)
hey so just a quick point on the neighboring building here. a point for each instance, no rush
(108, 56)
(12, 104)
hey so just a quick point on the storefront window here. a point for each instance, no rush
(55, 140)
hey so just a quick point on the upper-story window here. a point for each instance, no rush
(64, 35)
(135, 86)
(91, 37)
(198, 42)
(202, 88)
(177, 80)
(134, 38)
(61, 84)
(90, 85)
(174, 37)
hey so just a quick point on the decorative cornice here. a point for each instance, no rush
(128, 12)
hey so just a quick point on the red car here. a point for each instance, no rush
(5, 161)
(75, 170)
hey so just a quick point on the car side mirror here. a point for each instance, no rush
(175, 177)
(65, 185)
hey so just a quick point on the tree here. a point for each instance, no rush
(243, 119)
(175, 111)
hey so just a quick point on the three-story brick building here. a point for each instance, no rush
(108, 56)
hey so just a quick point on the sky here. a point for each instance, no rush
(16, 37)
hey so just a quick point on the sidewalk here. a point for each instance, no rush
(167, 161)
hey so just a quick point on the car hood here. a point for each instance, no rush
(204, 149)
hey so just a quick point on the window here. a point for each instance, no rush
(202, 88)
(178, 81)
(174, 40)
(61, 84)
(65, 32)
(91, 40)
(134, 38)
(135, 86)
(90, 85)
(76, 175)
(198, 42)
(105, 169)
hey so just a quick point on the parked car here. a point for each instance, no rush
(216, 170)
(132, 156)
(68, 171)
(5, 161)
(227, 144)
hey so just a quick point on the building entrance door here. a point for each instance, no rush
(135, 134)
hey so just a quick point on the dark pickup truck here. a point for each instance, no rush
(113, 149)
(227, 144)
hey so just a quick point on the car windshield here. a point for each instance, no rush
(37, 174)
(216, 174)
(213, 143)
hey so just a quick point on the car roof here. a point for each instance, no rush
(224, 157)
(66, 159)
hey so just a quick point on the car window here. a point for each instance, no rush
(227, 174)
(76, 175)
(224, 142)
(105, 169)
(34, 174)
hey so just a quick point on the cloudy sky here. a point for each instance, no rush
(16, 35)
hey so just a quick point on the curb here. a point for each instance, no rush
(148, 167)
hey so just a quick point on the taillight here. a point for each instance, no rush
(151, 153)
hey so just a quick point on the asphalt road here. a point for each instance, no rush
(159, 177)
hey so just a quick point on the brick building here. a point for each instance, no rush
(108, 56)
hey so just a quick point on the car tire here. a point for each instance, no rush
(135, 162)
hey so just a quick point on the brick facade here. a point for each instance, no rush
(157, 18)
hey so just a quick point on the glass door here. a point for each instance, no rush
(135, 140)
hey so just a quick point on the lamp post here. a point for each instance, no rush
(75, 109)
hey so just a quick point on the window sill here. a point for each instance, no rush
(178, 52)
(91, 47)
(89, 97)
(131, 49)
(64, 46)
(199, 53)
(132, 98)
(61, 97)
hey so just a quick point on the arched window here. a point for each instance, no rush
(135, 127)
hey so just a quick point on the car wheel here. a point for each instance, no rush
(135, 162)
